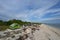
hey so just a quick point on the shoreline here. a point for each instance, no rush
(45, 32)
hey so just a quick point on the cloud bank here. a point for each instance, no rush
(30, 10)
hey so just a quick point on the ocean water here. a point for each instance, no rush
(54, 25)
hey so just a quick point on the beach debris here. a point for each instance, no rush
(19, 33)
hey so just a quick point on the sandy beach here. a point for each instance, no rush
(45, 32)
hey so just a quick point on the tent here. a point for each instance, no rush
(14, 26)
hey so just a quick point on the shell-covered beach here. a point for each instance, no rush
(41, 32)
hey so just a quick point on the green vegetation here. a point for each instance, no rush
(14, 26)
(2, 28)
(6, 24)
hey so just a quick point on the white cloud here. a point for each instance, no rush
(20, 8)
(43, 10)
(56, 14)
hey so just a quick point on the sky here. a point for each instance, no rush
(44, 11)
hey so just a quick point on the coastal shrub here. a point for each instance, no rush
(14, 26)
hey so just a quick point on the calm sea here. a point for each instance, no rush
(54, 25)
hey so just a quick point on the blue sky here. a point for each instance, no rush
(44, 11)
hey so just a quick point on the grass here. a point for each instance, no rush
(2, 28)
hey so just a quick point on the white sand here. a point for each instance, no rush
(47, 33)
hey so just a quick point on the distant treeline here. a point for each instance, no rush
(7, 23)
